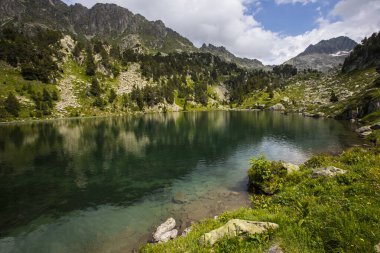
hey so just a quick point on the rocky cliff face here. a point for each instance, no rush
(325, 55)
(227, 56)
(103, 20)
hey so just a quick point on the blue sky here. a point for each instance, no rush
(272, 31)
(290, 19)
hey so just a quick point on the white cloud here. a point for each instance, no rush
(228, 23)
(294, 1)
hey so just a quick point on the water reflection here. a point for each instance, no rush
(50, 169)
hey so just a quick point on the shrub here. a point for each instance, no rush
(265, 176)
(12, 105)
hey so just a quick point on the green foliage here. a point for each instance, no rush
(95, 89)
(32, 52)
(365, 55)
(285, 70)
(374, 137)
(333, 98)
(112, 96)
(12, 105)
(90, 64)
(99, 102)
(265, 176)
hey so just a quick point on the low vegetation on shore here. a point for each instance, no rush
(315, 212)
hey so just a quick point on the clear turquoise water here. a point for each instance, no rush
(103, 184)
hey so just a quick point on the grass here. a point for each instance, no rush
(12, 81)
(340, 214)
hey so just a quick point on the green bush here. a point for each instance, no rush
(12, 105)
(265, 176)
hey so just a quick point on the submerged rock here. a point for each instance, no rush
(166, 231)
(329, 171)
(290, 167)
(179, 198)
(236, 227)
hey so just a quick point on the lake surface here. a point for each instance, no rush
(104, 184)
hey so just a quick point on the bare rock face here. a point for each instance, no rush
(109, 21)
(166, 231)
(236, 227)
(329, 171)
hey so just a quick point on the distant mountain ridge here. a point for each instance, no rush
(324, 55)
(227, 56)
(108, 21)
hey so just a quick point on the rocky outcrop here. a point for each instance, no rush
(236, 227)
(277, 107)
(329, 171)
(166, 231)
(108, 21)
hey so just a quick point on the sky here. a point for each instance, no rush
(272, 31)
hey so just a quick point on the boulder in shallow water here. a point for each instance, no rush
(166, 231)
(236, 227)
(329, 171)
(165, 237)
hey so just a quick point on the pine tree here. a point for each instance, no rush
(12, 105)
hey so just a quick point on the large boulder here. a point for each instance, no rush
(329, 171)
(377, 248)
(166, 231)
(291, 168)
(236, 227)
(363, 129)
(277, 107)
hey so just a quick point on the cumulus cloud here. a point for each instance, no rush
(229, 23)
(295, 1)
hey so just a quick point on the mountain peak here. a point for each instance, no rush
(331, 46)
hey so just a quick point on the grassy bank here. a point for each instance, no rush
(339, 214)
